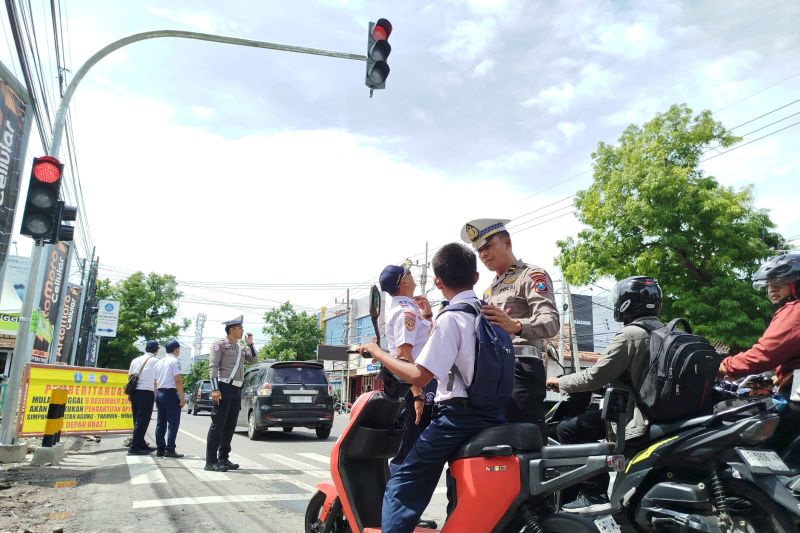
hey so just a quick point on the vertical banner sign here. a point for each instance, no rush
(12, 293)
(582, 311)
(54, 283)
(91, 353)
(69, 319)
(14, 129)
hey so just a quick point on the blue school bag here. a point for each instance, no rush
(493, 378)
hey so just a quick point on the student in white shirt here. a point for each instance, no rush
(142, 400)
(169, 400)
(455, 421)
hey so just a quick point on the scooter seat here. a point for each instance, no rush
(658, 431)
(520, 437)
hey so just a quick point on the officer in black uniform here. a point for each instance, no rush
(226, 370)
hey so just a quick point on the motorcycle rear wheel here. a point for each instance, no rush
(752, 511)
(313, 521)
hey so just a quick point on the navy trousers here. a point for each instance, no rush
(142, 407)
(223, 423)
(411, 431)
(527, 399)
(411, 487)
(168, 420)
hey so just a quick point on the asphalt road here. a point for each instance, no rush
(269, 492)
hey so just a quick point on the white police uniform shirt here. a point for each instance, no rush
(147, 372)
(405, 325)
(452, 343)
(166, 370)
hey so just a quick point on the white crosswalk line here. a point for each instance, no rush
(196, 466)
(144, 470)
(316, 457)
(311, 470)
(287, 479)
(232, 498)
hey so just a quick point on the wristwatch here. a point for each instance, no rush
(428, 316)
(419, 398)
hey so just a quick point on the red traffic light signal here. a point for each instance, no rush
(39, 218)
(378, 50)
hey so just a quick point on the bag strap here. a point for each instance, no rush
(471, 309)
(647, 327)
(685, 323)
(141, 368)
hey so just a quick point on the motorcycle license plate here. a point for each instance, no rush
(607, 524)
(763, 460)
(299, 399)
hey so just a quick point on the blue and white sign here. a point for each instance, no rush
(107, 318)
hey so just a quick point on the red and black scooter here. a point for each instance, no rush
(505, 478)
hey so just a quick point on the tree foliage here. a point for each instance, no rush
(197, 373)
(652, 211)
(148, 305)
(293, 336)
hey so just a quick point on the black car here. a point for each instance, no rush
(200, 399)
(286, 394)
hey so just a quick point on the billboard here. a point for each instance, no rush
(96, 400)
(69, 321)
(55, 274)
(15, 122)
(582, 307)
(15, 281)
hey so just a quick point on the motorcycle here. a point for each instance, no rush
(505, 477)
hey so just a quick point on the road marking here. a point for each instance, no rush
(196, 466)
(202, 500)
(317, 457)
(144, 470)
(192, 435)
(287, 479)
(305, 468)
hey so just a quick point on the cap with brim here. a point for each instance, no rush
(477, 232)
(238, 321)
(390, 278)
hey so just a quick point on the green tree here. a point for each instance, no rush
(293, 336)
(198, 373)
(651, 211)
(148, 305)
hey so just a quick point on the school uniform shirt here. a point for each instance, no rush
(166, 370)
(405, 325)
(452, 343)
(147, 372)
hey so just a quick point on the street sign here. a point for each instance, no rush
(107, 317)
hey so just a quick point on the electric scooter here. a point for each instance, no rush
(505, 477)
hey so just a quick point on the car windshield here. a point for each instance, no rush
(298, 374)
(206, 385)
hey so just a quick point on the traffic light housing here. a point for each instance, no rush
(43, 214)
(378, 50)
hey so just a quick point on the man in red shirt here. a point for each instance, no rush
(778, 348)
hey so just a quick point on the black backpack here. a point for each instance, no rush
(679, 379)
(493, 378)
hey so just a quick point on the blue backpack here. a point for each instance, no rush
(493, 378)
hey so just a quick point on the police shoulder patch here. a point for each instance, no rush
(410, 321)
(539, 281)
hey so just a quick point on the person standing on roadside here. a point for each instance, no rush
(226, 370)
(521, 301)
(142, 400)
(169, 400)
(408, 326)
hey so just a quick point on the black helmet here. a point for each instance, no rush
(634, 297)
(785, 267)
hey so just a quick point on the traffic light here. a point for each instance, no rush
(43, 212)
(378, 50)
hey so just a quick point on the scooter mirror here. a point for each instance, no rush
(375, 301)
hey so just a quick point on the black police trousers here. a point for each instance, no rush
(223, 423)
(527, 398)
(142, 408)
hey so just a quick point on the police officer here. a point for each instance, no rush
(226, 370)
(521, 301)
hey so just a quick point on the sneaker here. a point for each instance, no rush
(588, 503)
(138, 452)
(173, 454)
(159, 453)
(229, 465)
(215, 467)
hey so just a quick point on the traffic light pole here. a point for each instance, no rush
(61, 115)
(22, 351)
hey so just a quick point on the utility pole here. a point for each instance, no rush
(561, 324)
(347, 341)
(423, 280)
(199, 323)
(576, 360)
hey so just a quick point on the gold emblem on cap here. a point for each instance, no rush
(472, 232)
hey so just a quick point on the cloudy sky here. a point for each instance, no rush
(228, 165)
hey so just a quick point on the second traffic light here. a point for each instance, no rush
(378, 50)
(43, 212)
